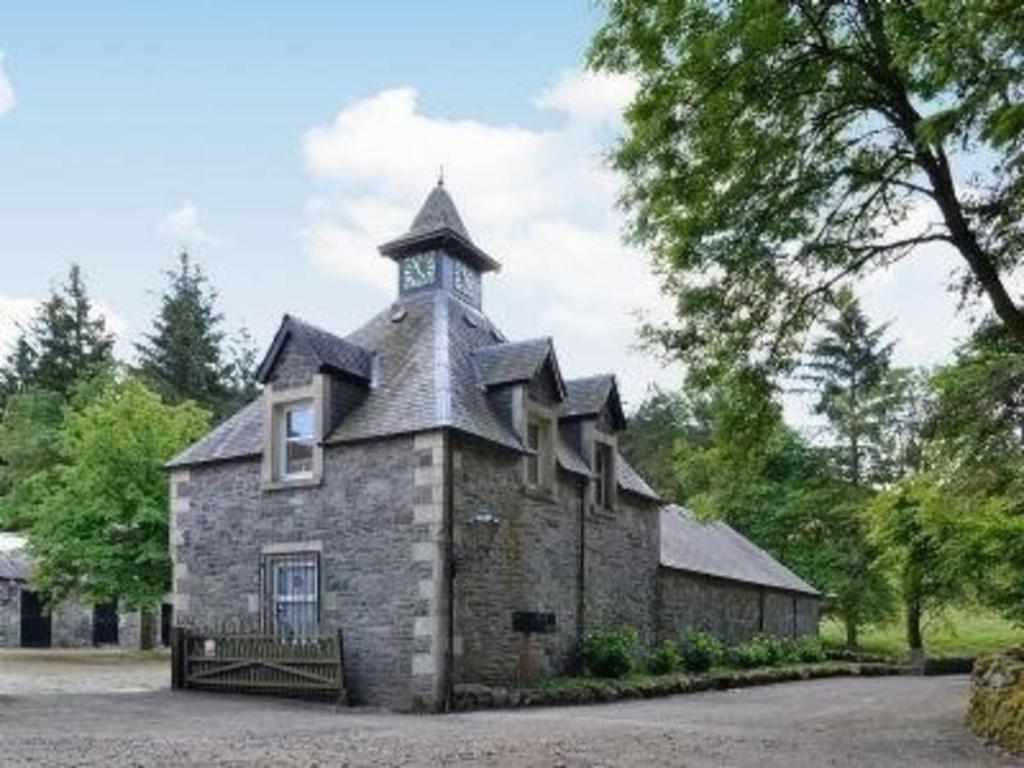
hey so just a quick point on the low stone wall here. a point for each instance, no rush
(997, 699)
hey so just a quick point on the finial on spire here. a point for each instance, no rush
(440, 176)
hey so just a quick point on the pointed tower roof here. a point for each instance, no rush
(438, 225)
(439, 212)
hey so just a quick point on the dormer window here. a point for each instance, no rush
(604, 460)
(540, 461)
(297, 440)
(293, 453)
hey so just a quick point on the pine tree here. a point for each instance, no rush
(182, 358)
(850, 364)
(16, 373)
(65, 342)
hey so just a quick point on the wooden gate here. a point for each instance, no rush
(307, 667)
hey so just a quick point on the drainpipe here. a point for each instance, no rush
(449, 535)
(581, 605)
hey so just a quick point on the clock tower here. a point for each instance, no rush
(437, 254)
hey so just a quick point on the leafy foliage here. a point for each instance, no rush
(102, 528)
(665, 658)
(775, 151)
(649, 440)
(610, 653)
(700, 651)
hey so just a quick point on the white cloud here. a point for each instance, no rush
(589, 97)
(6, 88)
(540, 200)
(182, 224)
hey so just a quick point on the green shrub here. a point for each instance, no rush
(806, 650)
(610, 653)
(665, 659)
(758, 651)
(700, 651)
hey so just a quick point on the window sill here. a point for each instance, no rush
(284, 485)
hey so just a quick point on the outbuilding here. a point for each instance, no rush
(714, 579)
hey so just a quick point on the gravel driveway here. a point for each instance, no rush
(81, 671)
(876, 721)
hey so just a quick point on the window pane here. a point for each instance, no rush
(300, 423)
(533, 470)
(533, 435)
(298, 457)
(293, 598)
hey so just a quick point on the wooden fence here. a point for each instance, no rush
(253, 663)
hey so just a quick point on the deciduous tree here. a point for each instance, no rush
(775, 150)
(102, 530)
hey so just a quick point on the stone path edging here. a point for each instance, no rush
(469, 697)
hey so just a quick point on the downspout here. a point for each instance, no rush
(449, 535)
(581, 605)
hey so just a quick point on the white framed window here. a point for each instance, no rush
(292, 593)
(296, 440)
(540, 459)
(604, 458)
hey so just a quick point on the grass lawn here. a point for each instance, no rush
(965, 631)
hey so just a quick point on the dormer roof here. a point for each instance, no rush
(333, 353)
(587, 397)
(517, 362)
(439, 226)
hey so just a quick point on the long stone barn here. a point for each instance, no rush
(27, 622)
(446, 498)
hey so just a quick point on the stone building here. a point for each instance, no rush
(436, 491)
(26, 622)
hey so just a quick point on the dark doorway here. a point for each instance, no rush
(104, 624)
(166, 619)
(35, 624)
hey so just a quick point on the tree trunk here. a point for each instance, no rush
(851, 633)
(914, 640)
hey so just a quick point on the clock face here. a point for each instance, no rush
(466, 280)
(418, 271)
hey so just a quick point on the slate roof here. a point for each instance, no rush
(237, 436)
(438, 224)
(334, 353)
(630, 480)
(439, 212)
(715, 549)
(515, 362)
(588, 396)
(425, 376)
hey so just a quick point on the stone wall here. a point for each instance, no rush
(10, 613)
(729, 610)
(514, 551)
(361, 517)
(997, 699)
(621, 560)
(519, 550)
(71, 625)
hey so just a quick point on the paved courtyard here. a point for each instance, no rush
(842, 722)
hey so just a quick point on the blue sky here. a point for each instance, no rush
(280, 142)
